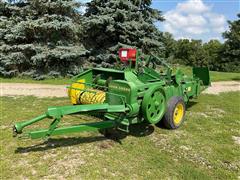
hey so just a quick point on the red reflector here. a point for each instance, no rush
(126, 54)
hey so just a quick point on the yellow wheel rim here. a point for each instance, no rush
(178, 114)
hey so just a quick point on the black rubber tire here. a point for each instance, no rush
(168, 121)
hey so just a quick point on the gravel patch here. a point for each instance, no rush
(223, 86)
(45, 90)
(236, 139)
(38, 90)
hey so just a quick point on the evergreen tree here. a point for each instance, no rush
(39, 37)
(112, 24)
(231, 52)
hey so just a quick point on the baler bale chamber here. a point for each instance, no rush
(138, 93)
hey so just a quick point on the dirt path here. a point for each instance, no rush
(44, 90)
(39, 90)
(223, 86)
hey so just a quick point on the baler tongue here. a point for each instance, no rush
(57, 113)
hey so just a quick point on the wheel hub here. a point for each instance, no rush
(178, 114)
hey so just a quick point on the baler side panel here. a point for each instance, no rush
(106, 73)
(203, 74)
(127, 92)
(87, 75)
(80, 82)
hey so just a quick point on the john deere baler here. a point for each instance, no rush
(139, 92)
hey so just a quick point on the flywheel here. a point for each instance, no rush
(154, 105)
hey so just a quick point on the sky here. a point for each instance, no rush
(196, 19)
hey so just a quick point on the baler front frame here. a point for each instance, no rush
(56, 113)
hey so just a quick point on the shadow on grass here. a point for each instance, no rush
(141, 130)
(236, 79)
(191, 103)
(57, 143)
(138, 130)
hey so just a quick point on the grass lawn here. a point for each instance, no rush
(215, 76)
(204, 147)
(56, 81)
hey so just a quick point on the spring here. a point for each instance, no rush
(96, 97)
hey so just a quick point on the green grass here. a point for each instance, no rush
(224, 76)
(56, 81)
(202, 148)
(215, 76)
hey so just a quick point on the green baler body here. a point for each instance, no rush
(128, 88)
(128, 93)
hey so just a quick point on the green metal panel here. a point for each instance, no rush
(106, 73)
(131, 76)
(149, 75)
(128, 92)
(87, 75)
(203, 74)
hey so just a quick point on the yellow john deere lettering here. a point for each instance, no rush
(112, 86)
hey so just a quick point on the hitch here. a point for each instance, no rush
(56, 113)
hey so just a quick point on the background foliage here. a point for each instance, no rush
(41, 38)
(112, 24)
(214, 54)
(231, 50)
